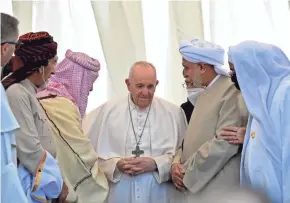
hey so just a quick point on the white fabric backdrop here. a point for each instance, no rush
(121, 33)
(230, 22)
(118, 33)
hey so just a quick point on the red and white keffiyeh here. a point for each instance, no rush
(73, 79)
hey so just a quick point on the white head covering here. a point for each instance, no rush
(260, 68)
(263, 74)
(197, 51)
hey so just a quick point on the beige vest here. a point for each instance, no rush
(210, 161)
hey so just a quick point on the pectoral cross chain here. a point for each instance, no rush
(137, 152)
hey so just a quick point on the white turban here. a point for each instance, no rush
(196, 51)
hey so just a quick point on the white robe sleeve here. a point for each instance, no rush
(163, 168)
(182, 130)
(177, 157)
(165, 161)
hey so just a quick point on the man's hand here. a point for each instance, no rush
(234, 135)
(177, 174)
(124, 164)
(62, 196)
(142, 165)
(136, 166)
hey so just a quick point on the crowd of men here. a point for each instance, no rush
(230, 135)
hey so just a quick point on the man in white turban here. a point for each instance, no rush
(198, 51)
(207, 161)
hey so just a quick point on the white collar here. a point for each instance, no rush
(213, 81)
(133, 106)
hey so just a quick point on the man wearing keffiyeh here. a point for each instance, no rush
(65, 101)
(33, 64)
(199, 167)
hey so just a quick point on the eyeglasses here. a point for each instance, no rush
(14, 43)
(184, 85)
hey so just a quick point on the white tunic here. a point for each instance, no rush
(110, 130)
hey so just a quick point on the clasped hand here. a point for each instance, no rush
(137, 165)
(177, 175)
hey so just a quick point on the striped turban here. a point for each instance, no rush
(34, 52)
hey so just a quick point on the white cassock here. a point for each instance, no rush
(109, 128)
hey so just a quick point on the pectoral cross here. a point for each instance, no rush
(137, 152)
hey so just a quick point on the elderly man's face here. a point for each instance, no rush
(142, 85)
(187, 81)
(51, 68)
(192, 73)
(45, 73)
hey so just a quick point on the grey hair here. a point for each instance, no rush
(143, 64)
(9, 28)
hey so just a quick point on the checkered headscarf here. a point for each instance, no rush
(73, 79)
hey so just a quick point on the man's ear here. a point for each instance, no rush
(127, 81)
(157, 82)
(40, 70)
(4, 48)
(203, 68)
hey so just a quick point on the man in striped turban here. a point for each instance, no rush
(33, 64)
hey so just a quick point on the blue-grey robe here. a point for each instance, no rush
(263, 73)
